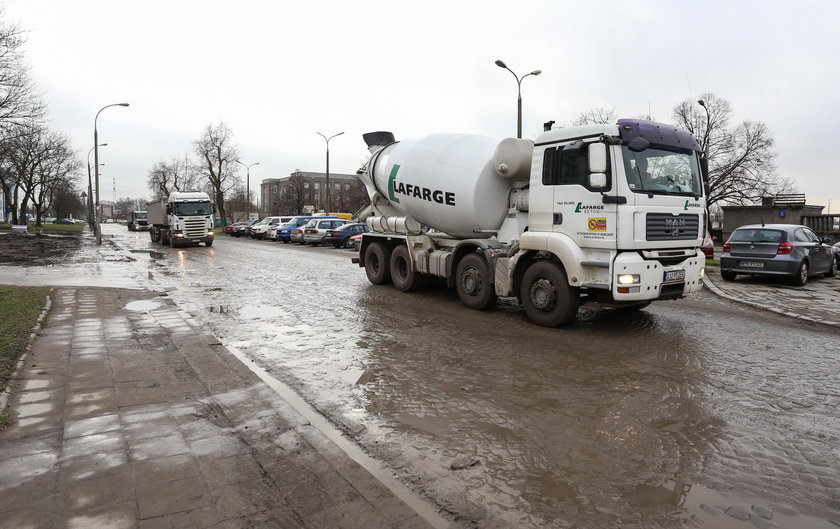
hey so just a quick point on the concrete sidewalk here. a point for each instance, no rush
(818, 301)
(127, 414)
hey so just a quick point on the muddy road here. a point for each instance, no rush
(691, 413)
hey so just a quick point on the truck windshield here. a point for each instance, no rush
(186, 209)
(139, 214)
(663, 172)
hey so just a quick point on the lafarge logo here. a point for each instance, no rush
(415, 191)
(586, 208)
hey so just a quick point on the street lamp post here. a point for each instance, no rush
(501, 64)
(248, 187)
(329, 196)
(90, 191)
(96, 170)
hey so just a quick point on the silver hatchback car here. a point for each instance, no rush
(316, 229)
(777, 250)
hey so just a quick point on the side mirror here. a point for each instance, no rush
(598, 180)
(827, 240)
(638, 144)
(704, 168)
(597, 158)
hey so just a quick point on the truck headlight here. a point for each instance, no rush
(210, 234)
(628, 279)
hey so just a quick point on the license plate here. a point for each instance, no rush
(675, 275)
(752, 264)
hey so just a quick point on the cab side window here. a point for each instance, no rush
(568, 166)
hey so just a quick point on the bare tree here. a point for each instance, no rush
(59, 167)
(296, 194)
(351, 197)
(595, 116)
(742, 165)
(217, 152)
(18, 101)
(174, 175)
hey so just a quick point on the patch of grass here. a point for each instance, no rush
(20, 307)
(712, 262)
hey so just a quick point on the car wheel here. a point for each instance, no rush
(801, 276)
(832, 270)
(728, 275)
(546, 295)
(377, 263)
(404, 278)
(472, 281)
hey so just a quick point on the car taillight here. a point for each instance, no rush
(335, 234)
(311, 231)
(725, 247)
(785, 248)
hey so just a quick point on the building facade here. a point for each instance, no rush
(285, 196)
(780, 209)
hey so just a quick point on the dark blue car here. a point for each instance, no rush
(340, 237)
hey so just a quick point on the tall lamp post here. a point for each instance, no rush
(96, 170)
(90, 192)
(501, 64)
(248, 187)
(329, 196)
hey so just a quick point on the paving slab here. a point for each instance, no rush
(141, 419)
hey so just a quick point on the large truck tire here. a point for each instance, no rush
(164, 237)
(472, 281)
(546, 295)
(402, 276)
(209, 243)
(152, 234)
(377, 263)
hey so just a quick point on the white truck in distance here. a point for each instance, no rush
(606, 215)
(182, 219)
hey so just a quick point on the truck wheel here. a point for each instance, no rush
(172, 242)
(152, 235)
(546, 295)
(164, 237)
(403, 277)
(472, 281)
(209, 243)
(377, 260)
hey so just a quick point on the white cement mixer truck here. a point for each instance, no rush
(601, 215)
(183, 218)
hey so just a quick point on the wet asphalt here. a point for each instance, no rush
(700, 412)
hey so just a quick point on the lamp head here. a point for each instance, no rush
(701, 102)
(123, 104)
(536, 72)
(501, 64)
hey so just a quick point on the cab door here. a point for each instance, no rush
(583, 209)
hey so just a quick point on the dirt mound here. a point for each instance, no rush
(37, 250)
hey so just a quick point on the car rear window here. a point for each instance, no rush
(758, 235)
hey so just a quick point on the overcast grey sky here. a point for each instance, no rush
(278, 72)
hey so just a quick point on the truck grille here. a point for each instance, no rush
(667, 227)
(195, 227)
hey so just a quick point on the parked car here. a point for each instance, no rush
(284, 233)
(230, 227)
(260, 229)
(836, 249)
(777, 250)
(243, 229)
(316, 229)
(64, 221)
(708, 247)
(355, 241)
(340, 237)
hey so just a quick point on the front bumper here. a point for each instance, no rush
(650, 277)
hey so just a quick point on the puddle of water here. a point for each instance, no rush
(722, 511)
(258, 312)
(144, 305)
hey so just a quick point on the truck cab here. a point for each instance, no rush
(620, 200)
